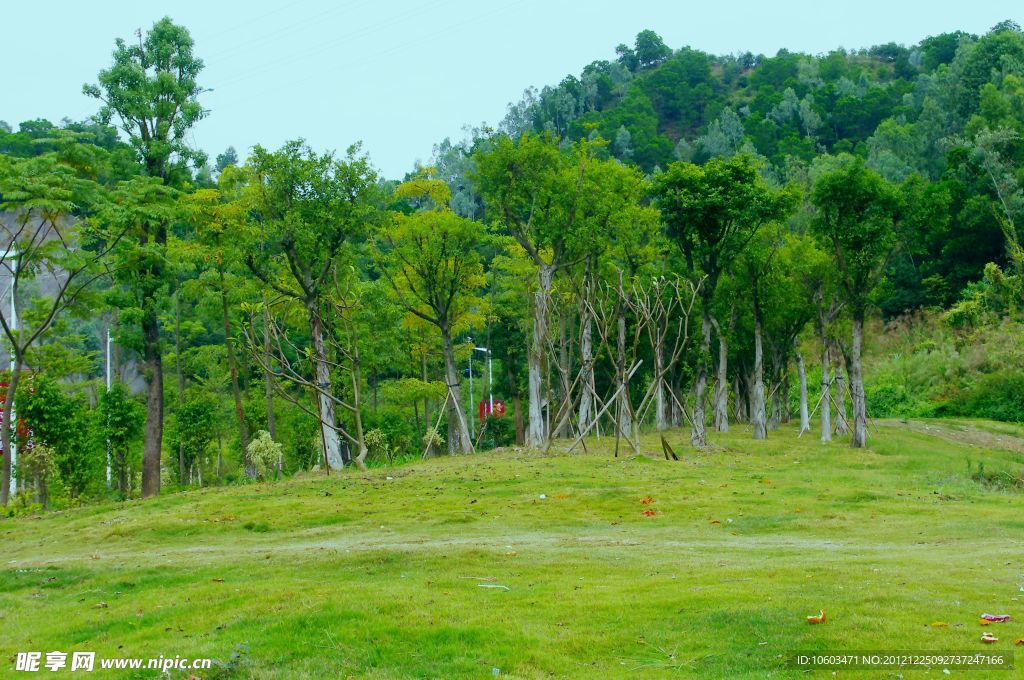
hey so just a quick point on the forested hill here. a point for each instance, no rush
(899, 107)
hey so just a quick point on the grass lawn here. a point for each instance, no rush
(383, 574)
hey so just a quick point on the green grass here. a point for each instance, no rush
(361, 576)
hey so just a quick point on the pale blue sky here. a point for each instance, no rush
(401, 76)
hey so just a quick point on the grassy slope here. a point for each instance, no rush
(363, 576)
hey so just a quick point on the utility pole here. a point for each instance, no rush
(472, 416)
(490, 379)
(11, 419)
(110, 341)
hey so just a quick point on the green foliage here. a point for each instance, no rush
(193, 427)
(712, 212)
(857, 211)
(63, 423)
(151, 90)
(119, 418)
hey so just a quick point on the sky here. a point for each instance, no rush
(402, 76)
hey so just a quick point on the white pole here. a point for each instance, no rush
(12, 420)
(110, 340)
(472, 415)
(490, 383)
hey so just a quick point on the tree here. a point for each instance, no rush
(531, 188)
(52, 239)
(229, 157)
(651, 50)
(218, 227)
(151, 89)
(712, 213)
(121, 418)
(305, 208)
(434, 267)
(856, 219)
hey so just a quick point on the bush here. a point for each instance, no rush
(996, 397)
(264, 453)
(377, 444)
(433, 442)
(498, 431)
(395, 424)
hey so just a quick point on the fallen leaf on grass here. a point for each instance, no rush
(1019, 641)
(646, 500)
(650, 513)
(100, 605)
(820, 618)
(716, 521)
(940, 624)
(217, 580)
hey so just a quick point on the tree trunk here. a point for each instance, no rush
(9, 428)
(784, 414)
(426, 400)
(842, 423)
(721, 415)
(517, 404)
(180, 376)
(535, 435)
(801, 371)
(122, 473)
(236, 391)
(625, 409)
(698, 437)
(660, 401)
(675, 413)
(357, 401)
(153, 436)
(860, 411)
(268, 375)
(458, 428)
(776, 412)
(758, 425)
(587, 378)
(826, 393)
(739, 399)
(565, 399)
(325, 404)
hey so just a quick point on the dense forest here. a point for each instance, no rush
(671, 239)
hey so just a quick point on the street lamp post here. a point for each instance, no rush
(472, 416)
(490, 379)
(12, 417)
(110, 341)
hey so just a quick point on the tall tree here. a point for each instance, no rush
(218, 225)
(713, 212)
(433, 264)
(306, 208)
(151, 90)
(533, 191)
(857, 213)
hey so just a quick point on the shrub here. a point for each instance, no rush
(264, 453)
(498, 431)
(377, 443)
(38, 464)
(432, 442)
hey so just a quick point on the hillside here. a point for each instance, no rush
(541, 566)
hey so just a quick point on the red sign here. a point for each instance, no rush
(484, 409)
